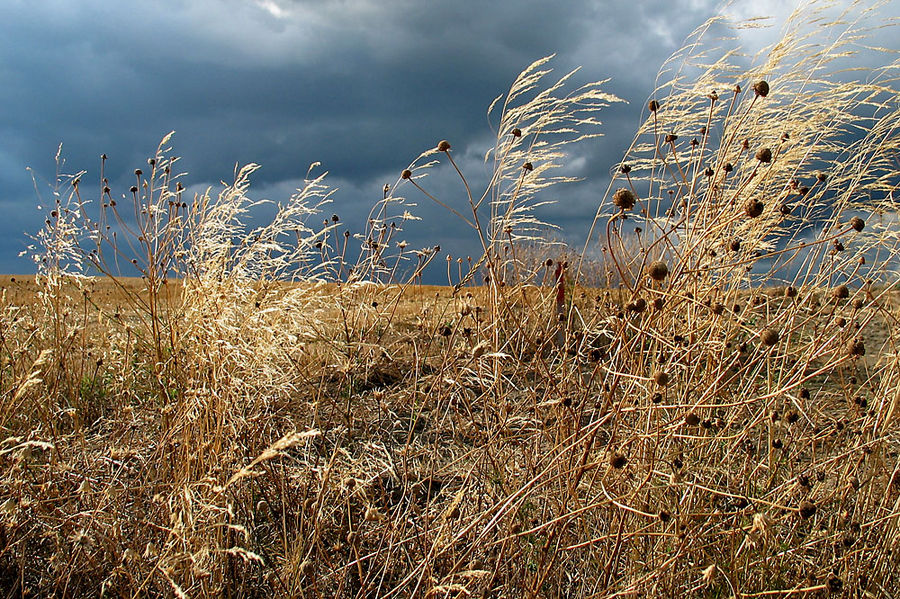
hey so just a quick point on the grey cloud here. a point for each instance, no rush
(361, 86)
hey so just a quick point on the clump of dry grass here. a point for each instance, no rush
(265, 414)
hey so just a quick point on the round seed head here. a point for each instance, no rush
(624, 199)
(617, 461)
(857, 223)
(807, 509)
(528, 167)
(671, 138)
(761, 88)
(835, 584)
(790, 292)
(661, 378)
(717, 308)
(821, 177)
(443, 145)
(658, 270)
(753, 208)
(653, 105)
(658, 303)
(728, 167)
(406, 174)
(709, 172)
(735, 245)
(691, 419)
(769, 337)
(517, 132)
(840, 292)
(855, 347)
(625, 169)
(764, 155)
(138, 172)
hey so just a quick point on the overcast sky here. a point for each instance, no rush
(362, 86)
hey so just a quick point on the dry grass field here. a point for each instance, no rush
(701, 401)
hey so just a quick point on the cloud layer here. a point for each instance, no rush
(362, 86)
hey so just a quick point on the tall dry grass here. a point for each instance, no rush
(284, 411)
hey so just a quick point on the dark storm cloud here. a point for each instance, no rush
(361, 86)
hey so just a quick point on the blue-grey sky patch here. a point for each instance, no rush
(362, 86)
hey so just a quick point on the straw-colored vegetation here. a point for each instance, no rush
(286, 412)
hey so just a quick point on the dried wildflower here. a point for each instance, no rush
(625, 169)
(840, 292)
(528, 167)
(769, 337)
(835, 584)
(753, 208)
(406, 174)
(691, 419)
(806, 509)
(661, 378)
(857, 223)
(658, 270)
(670, 138)
(653, 105)
(764, 155)
(623, 199)
(855, 347)
(735, 245)
(761, 88)
(728, 167)
(443, 145)
(516, 132)
(617, 460)
(658, 303)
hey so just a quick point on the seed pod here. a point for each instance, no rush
(709, 172)
(840, 292)
(821, 177)
(857, 223)
(625, 169)
(728, 167)
(807, 509)
(769, 337)
(764, 155)
(443, 145)
(517, 132)
(691, 419)
(735, 245)
(753, 208)
(661, 378)
(855, 347)
(658, 270)
(624, 199)
(528, 167)
(761, 88)
(618, 461)
(406, 174)
(653, 105)
(671, 138)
